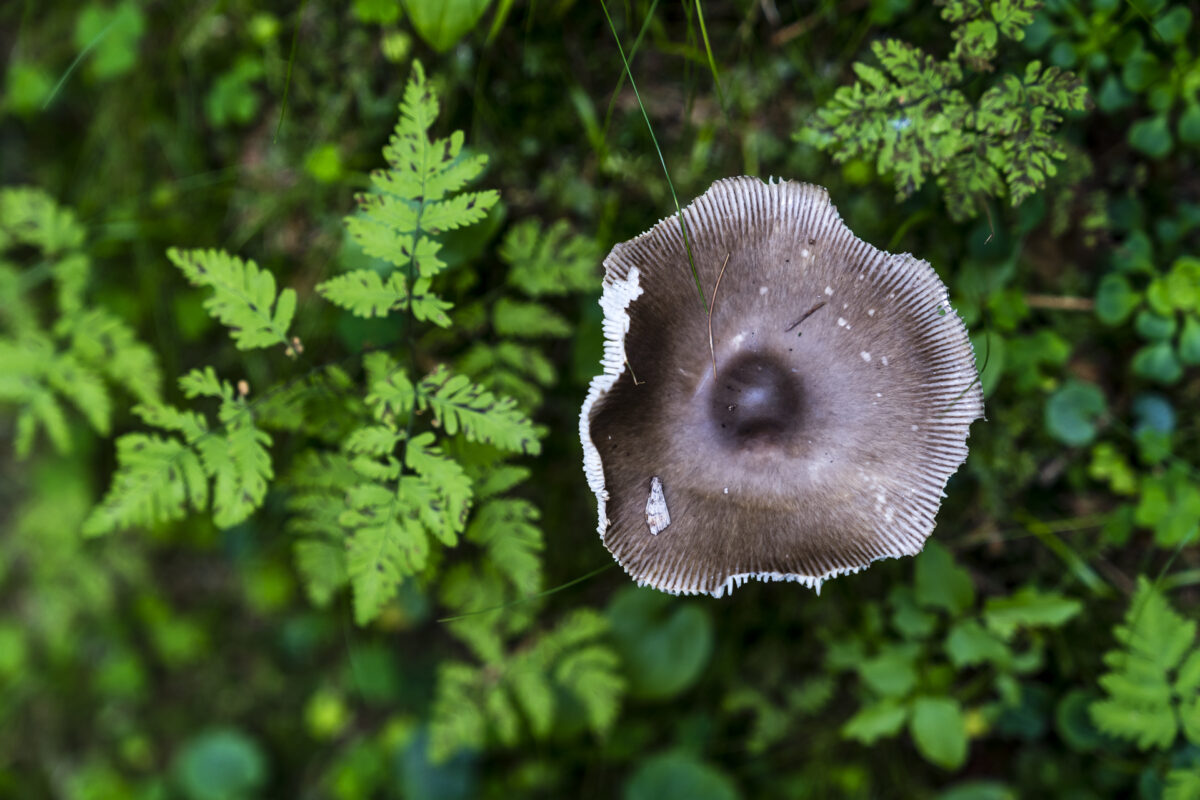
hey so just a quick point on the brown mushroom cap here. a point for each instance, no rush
(845, 386)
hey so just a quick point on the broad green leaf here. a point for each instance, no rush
(223, 764)
(876, 721)
(1072, 412)
(441, 23)
(940, 583)
(677, 776)
(1029, 607)
(939, 730)
(664, 644)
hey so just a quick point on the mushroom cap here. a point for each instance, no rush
(844, 389)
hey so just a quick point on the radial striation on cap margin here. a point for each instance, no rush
(844, 389)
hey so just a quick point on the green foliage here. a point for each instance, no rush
(678, 776)
(65, 350)
(159, 477)
(418, 197)
(243, 298)
(441, 23)
(904, 674)
(1153, 682)
(519, 690)
(413, 463)
(915, 121)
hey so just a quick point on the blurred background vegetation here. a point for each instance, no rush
(1044, 644)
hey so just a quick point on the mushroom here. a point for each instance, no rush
(804, 428)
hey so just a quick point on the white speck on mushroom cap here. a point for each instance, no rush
(884, 360)
(841, 322)
(865, 355)
(789, 447)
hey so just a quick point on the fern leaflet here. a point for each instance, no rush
(1153, 683)
(243, 297)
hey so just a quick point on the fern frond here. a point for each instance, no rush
(457, 721)
(105, 343)
(389, 390)
(244, 297)
(549, 263)
(1143, 702)
(569, 659)
(448, 478)
(156, 480)
(240, 467)
(527, 320)
(30, 216)
(31, 373)
(365, 293)
(323, 567)
(506, 528)
(458, 404)
(387, 544)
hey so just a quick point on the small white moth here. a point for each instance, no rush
(657, 516)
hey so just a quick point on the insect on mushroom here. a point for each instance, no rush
(799, 424)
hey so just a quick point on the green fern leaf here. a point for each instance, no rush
(527, 320)
(240, 467)
(156, 480)
(323, 566)
(105, 343)
(1143, 702)
(506, 527)
(389, 390)
(204, 383)
(364, 293)
(457, 722)
(388, 544)
(458, 404)
(168, 418)
(453, 487)
(30, 216)
(244, 297)
(550, 263)
(30, 372)
(1182, 784)
(593, 676)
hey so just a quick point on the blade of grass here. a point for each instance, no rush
(99, 37)
(712, 63)
(1075, 562)
(287, 83)
(519, 600)
(661, 160)
(637, 43)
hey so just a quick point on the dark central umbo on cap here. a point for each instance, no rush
(843, 390)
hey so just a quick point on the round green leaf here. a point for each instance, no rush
(1158, 363)
(1112, 95)
(223, 764)
(939, 730)
(1189, 124)
(1154, 327)
(1141, 71)
(979, 790)
(1173, 25)
(1072, 411)
(441, 23)
(678, 776)
(1115, 299)
(664, 644)
(1189, 342)
(1151, 136)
